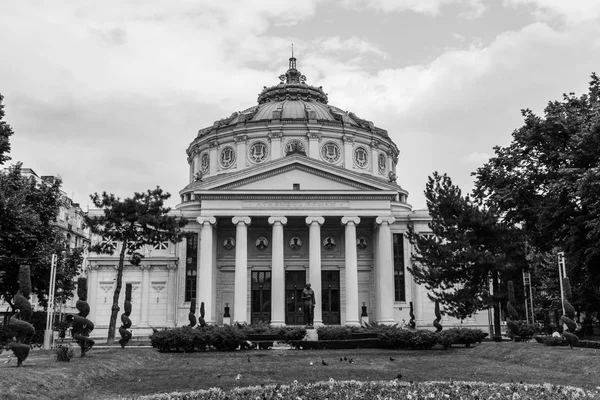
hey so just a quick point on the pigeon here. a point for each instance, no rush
(218, 375)
(311, 363)
(341, 359)
(392, 358)
(238, 377)
(323, 362)
(399, 376)
(351, 361)
(345, 359)
(248, 358)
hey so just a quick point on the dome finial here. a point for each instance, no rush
(292, 59)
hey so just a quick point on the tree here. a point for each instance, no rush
(28, 210)
(548, 180)
(5, 133)
(128, 225)
(469, 246)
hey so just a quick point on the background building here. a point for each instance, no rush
(289, 191)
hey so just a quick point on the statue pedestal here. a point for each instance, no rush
(311, 335)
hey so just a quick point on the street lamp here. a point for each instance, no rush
(50, 313)
(561, 274)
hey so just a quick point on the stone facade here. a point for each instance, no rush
(289, 191)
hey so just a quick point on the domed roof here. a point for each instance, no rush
(293, 100)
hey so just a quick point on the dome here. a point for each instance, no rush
(290, 117)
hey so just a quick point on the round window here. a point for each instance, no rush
(227, 157)
(361, 157)
(330, 152)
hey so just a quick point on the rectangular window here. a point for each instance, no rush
(399, 270)
(191, 266)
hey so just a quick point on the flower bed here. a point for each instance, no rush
(351, 390)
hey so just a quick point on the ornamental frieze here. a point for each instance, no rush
(295, 204)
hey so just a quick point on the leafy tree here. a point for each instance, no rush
(28, 210)
(127, 225)
(469, 246)
(5, 133)
(548, 180)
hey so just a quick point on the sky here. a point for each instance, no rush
(108, 95)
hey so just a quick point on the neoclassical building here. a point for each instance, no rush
(289, 191)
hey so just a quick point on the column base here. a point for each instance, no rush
(277, 323)
(352, 323)
(387, 321)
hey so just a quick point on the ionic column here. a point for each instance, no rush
(240, 296)
(171, 294)
(314, 263)
(145, 296)
(277, 272)
(204, 292)
(352, 314)
(384, 286)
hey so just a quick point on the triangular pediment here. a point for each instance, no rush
(307, 173)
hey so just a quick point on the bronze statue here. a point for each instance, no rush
(308, 305)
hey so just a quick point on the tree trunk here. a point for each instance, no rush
(114, 311)
(497, 329)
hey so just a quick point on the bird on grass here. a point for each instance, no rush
(351, 361)
(248, 358)
(218, 375)
(238, 377)
(323, 362)
(392, 359)
(341, 359)
(399, 376)
(345, 358)
(311, 363)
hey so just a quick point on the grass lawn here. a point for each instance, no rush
(113, 372)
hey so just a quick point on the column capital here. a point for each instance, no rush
(274, 220)
(241, 220)
(347, 220)
(206, 220)
(312, 220)
(381, 220)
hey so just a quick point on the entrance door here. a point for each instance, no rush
(330, 297)
(294, 285)
(261, 296)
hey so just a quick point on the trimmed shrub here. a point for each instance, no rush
(554, 341)
(228, 338)
(186, 339)
(438, 317)
(422, 340)
(64, 353)
(395, 338)
(460, 336)
(336, 332)
(571, 339)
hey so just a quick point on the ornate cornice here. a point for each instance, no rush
(235, 196)
(292, 167)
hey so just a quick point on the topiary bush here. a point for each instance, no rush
(125, 320)
(422, 340)
(192, 314)
(64, 353)
(571, 339)
(186, 339)
(438, 317)
(81, 326)
(228, 338)
(335, 332)
(17, 333)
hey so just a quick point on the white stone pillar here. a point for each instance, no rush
(275, 144)
(204, 292)
(214, 157)
(93, 290)
(374, 157)
(314, 264)
(241, 141)
(240, 296)
(277, 272)
(313, 144)
(352, 314)
(171, 294)
(384, 286)
(145, 296)
(348, 153)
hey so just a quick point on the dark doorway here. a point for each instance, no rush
(330, 297)
(294, 285)
(261, 296)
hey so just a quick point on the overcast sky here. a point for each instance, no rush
(109, 94)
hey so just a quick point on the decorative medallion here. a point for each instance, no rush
(330, 152)
(261, 243)
(361, 157)
(227, 157)
(361, 243)
(258, 152)
(205, 163)
(229, 243)
(294, 146)
(381, 162)
(329, 243)
(295, 243)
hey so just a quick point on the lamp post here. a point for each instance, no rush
(561, 274)
(50, 313)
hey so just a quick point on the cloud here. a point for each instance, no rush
(352, 45)
(474, 8)
(573, 12)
